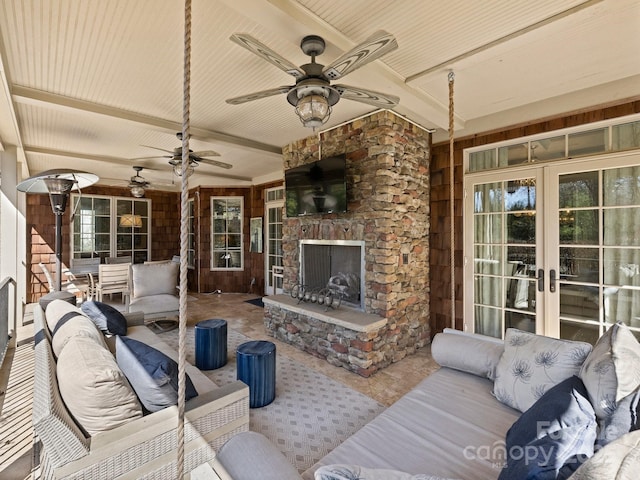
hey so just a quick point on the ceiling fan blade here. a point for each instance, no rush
(206, 153)
(370, 97)
(210, 161)
(258, 95)
(372, 48)
(156, 148)
(153, 156)
(260, 49)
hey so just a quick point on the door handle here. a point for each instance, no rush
(552, 281)
(540, 280)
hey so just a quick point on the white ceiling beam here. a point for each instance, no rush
(118, 161)
(450, 63)
(32, 96)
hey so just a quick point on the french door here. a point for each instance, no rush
(274, 205)
(554, 249)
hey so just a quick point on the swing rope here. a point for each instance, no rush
(184, 215)
(451, 204)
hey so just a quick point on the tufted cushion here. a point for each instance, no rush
(531, 364)
(152, 374)
(154, 279)
(107, 319)
(612, 370)
(94, 389)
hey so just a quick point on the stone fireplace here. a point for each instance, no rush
(387, 220)
(336, 265)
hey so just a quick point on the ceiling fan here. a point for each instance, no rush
(138, 184)
(195, 158)
(313, 95)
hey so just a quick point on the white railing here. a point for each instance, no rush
(7, 314)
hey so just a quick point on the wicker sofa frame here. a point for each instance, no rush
(144, 448)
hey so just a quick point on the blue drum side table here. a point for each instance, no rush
(256, 366)
(211, 344)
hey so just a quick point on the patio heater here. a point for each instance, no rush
(58, 183)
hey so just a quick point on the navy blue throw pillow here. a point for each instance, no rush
(554, 436)
(106, 318)
(152, 374)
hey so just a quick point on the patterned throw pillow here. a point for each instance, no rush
(532, 364)
(612, 371)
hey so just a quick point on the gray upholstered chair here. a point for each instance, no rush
(153, 290)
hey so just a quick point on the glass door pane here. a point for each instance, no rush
(504, 224)
(597, 253)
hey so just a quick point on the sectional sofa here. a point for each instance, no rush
(528, 407)
(89, 423)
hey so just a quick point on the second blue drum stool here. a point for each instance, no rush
(211, 344)
(256, 366)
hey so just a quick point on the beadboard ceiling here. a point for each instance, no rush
(87, 84)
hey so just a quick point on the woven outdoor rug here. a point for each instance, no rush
(311, 414)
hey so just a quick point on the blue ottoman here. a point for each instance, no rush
(256, 366)
(211, 344)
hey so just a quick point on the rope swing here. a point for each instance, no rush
(451, 204)
(184, 215)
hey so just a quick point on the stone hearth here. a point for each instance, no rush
(387, 210)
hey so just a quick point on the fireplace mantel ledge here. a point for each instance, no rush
(343, 316)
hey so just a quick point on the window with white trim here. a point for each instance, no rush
(106, 226)
(227, 251)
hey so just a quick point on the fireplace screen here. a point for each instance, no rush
(337, 266)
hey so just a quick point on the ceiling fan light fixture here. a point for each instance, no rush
(177, 169)
(137, 191)
(313, 110)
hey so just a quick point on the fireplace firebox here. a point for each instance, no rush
(337, 265)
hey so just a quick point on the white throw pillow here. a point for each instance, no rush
(612, 370)
(71, 325)
(532, 364)
(619, 460)
(154, 278)
(94, 389)
(58, 309)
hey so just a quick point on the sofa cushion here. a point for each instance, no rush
(620, 460)
(72, 324)
(152, 374)
(624, 419)
(94, 389)
(154, 278)
(107, 318)
(467, 353)
(531, 364)
(155, 304)
(56, 310)
(553, 437)
(612, 370)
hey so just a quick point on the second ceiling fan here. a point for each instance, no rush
(313, 95)
(195, 158)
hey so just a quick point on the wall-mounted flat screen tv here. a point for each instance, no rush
(317, 188)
